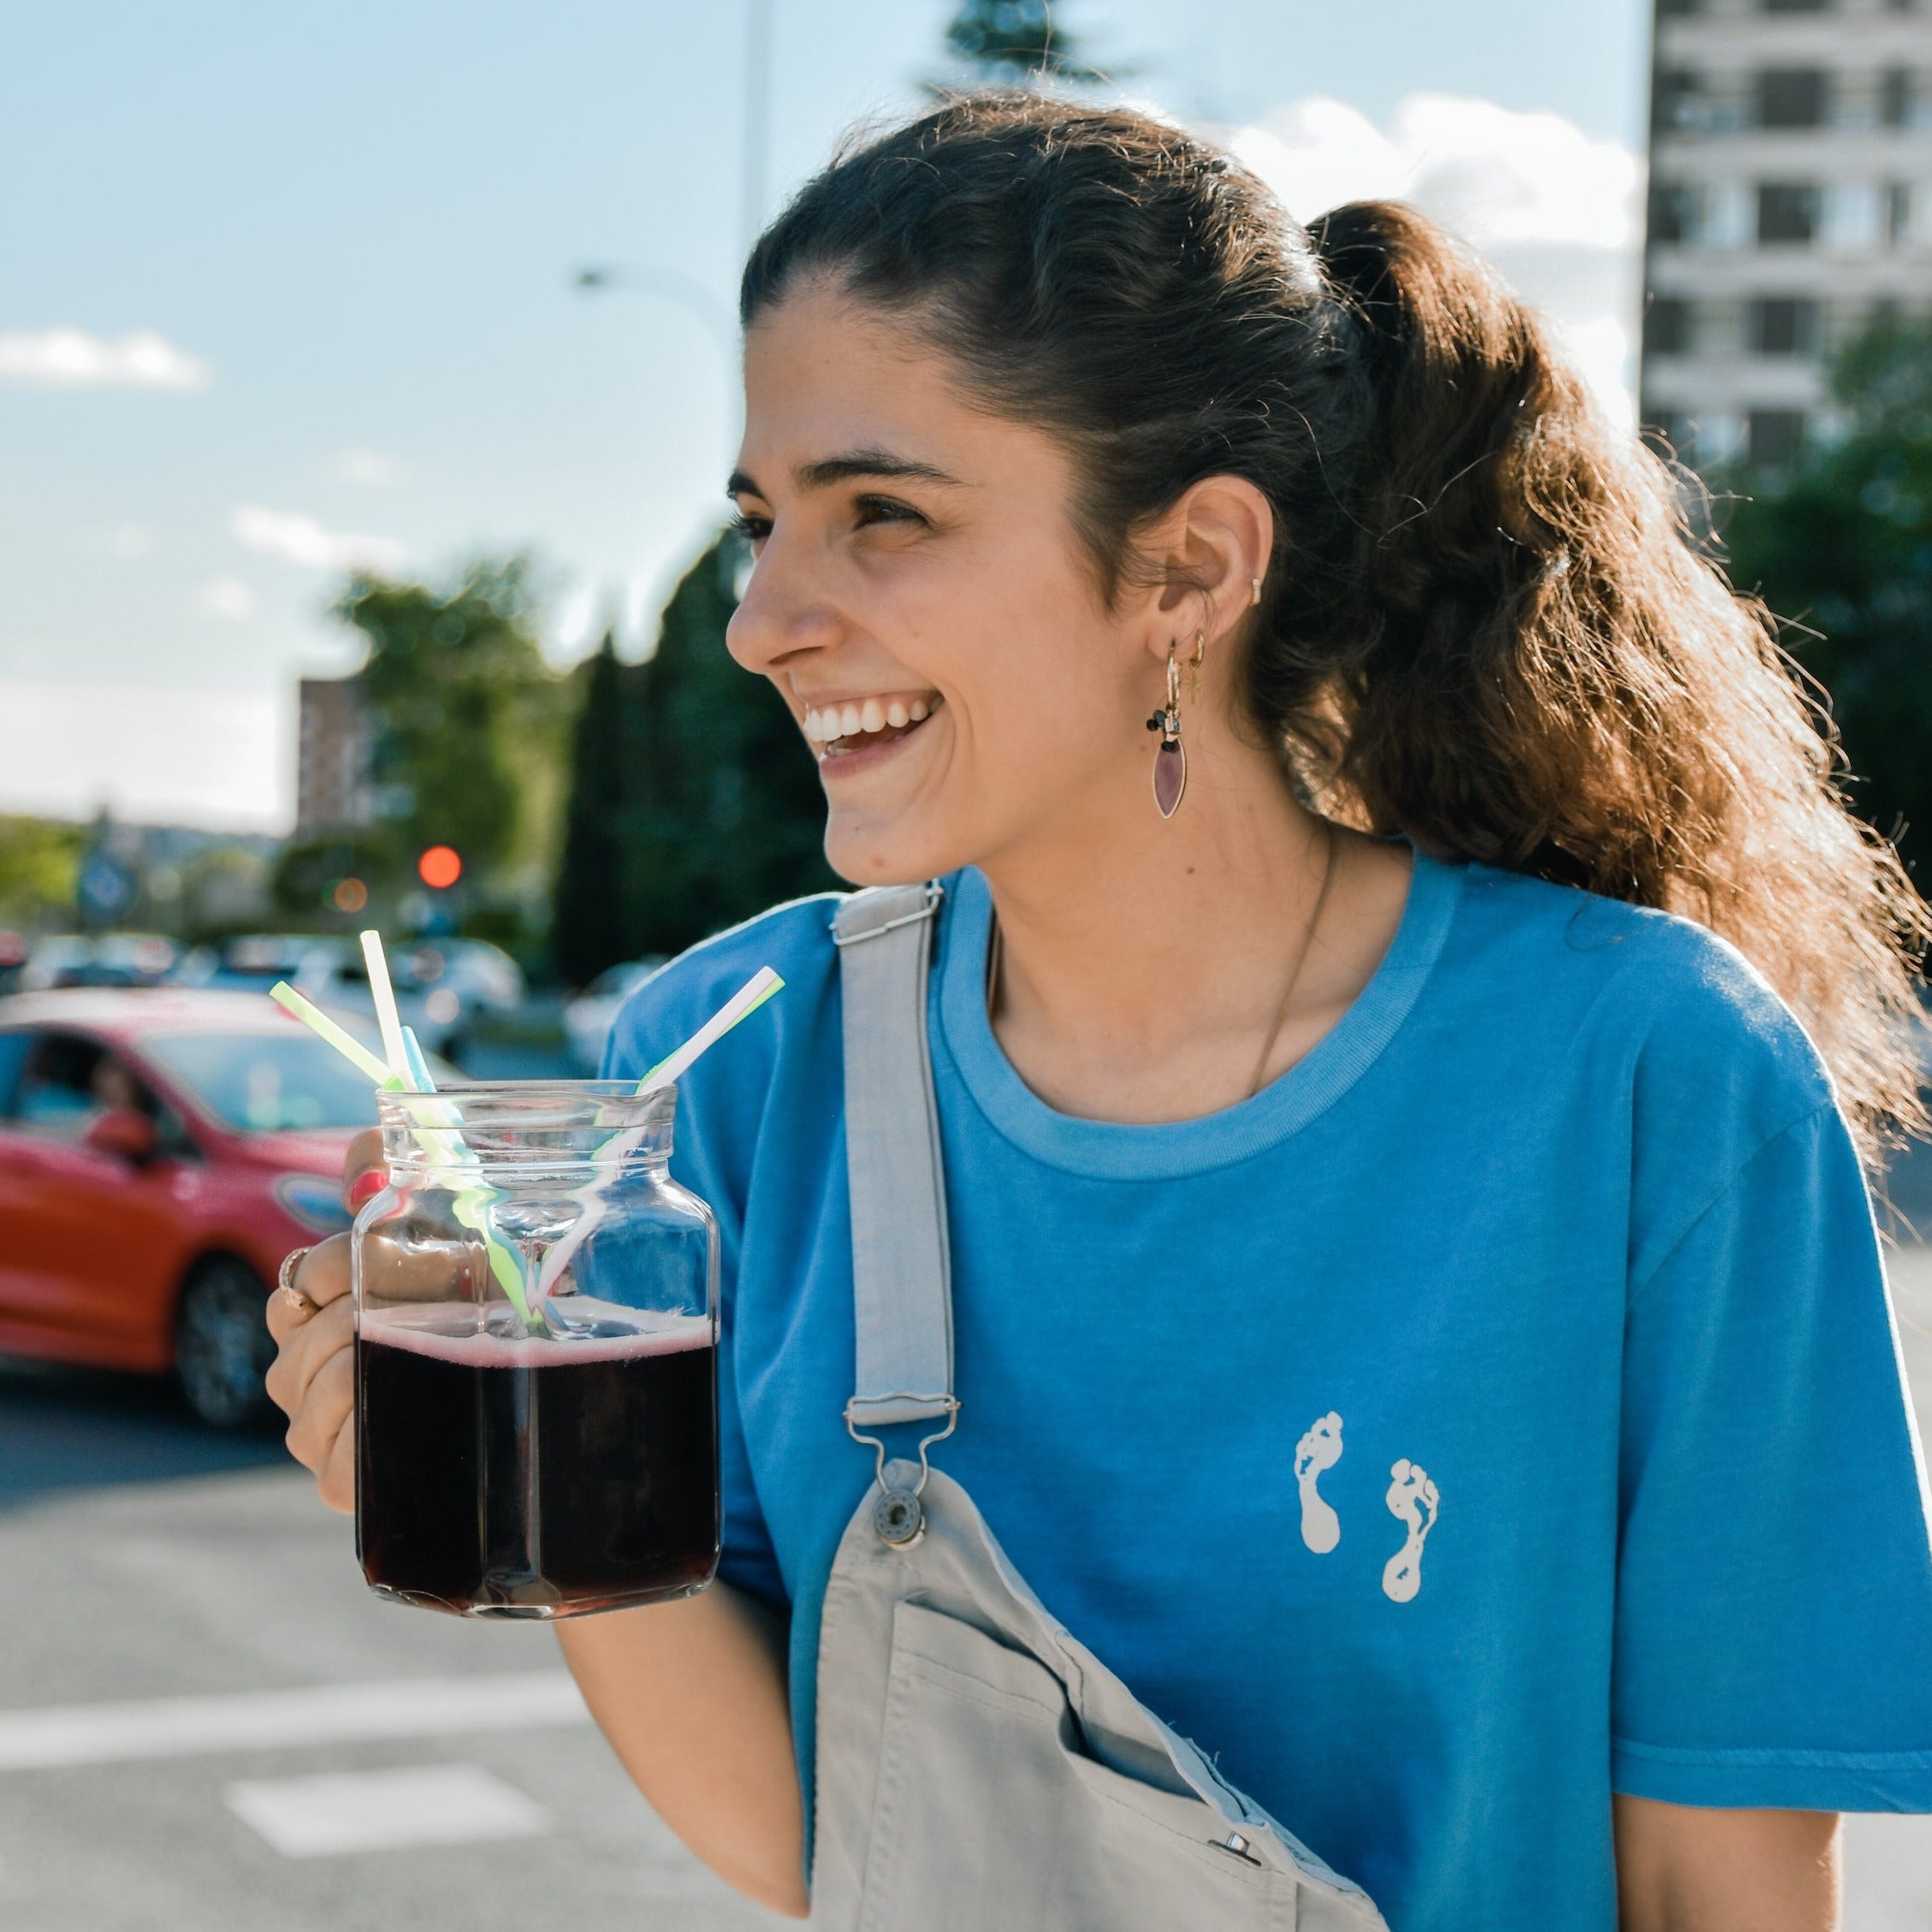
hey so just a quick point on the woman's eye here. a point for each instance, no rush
(885, 510)
(752, 528)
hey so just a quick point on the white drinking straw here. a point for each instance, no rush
(441, 1145)
(746, 1001)
(387, 1017)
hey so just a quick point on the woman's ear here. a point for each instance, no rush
(1210, 550)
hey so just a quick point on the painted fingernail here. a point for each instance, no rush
(366, 1186)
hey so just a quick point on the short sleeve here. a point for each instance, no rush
(700, 1160)
(1774, 1639)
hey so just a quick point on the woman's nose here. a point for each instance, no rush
(782, 615)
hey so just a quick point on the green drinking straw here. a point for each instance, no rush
(470, 1202)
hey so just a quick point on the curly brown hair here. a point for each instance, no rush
(1487, 627)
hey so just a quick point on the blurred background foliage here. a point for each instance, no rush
(40, 861)
(1839, 546)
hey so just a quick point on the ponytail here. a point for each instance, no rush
(1485, 628)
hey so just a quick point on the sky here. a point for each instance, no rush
(288, 290)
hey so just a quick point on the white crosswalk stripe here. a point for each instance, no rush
(118, 1734)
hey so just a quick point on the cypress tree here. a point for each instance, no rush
(587, 925)
(725, 816)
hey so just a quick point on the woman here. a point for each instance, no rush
(1415, 1305)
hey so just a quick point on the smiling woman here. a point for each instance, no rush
(1295, 1262)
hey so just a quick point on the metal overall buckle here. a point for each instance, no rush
(898, 1514)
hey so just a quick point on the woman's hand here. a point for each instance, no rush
(312, 1379)
(1682, 1868)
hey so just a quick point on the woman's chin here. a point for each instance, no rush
(872, 848)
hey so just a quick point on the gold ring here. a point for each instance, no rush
(286, 1280)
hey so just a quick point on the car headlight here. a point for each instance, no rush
(316, 1203)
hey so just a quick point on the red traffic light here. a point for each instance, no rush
(440, 868)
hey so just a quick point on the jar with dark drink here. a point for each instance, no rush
(536, 1304)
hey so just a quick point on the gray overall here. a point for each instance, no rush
(978, 1769)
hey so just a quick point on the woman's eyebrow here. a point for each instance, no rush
(844, 468)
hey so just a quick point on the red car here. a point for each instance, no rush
(161, 1152)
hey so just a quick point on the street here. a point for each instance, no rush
(206, 1720)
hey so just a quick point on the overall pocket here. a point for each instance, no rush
(988, 1812)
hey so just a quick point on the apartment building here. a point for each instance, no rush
(1790, 202)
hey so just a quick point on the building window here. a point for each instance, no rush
(1794, 6)
(1675, 211)
(1787, 211)
(1790, 97)
(1894, 97)
(1677, 9)
(1668, 323)
(1677, 100)
(1897, 211)
(1773, 436)
(1783, 325)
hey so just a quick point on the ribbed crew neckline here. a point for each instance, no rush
(1111, 1150)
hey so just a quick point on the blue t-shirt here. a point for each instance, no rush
(1500, 1410)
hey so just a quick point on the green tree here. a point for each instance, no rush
(587, 927)
(1015, 41)
(468, 715)
(38, 861)
(696, 804)
(1840, 547)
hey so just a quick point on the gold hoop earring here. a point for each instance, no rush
(1194, 667)
(1171, 756)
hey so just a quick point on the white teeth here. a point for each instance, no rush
(849, 721)
(897, 715)
(872, 717)
(916, 709)
(814, 727)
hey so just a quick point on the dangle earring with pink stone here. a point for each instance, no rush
(1170, 757)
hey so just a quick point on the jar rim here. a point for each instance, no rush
(524, 1108)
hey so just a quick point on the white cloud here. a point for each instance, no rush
(130, 542)
(228, 597)
(71, 359)
(1558, 210)
(301, 540)
(159, 754)
(369, 468)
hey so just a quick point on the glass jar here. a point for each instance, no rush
(537, 1324)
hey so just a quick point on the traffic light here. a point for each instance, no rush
(440, 868)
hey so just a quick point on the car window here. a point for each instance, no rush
(267, 1082)
(13, 1057)
(62, 1082)
(54, 1094)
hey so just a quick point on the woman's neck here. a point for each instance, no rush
(1143, 961)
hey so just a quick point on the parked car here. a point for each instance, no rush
(589, 1016)
(110, 959)
(443, 986)
(161, 1150)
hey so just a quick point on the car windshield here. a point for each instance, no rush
(265, 1082)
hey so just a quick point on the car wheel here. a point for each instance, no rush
(222, 1348)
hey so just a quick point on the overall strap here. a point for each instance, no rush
(902, 1289)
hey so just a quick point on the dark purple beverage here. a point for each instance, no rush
(497, 1476)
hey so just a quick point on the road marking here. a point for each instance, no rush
(432, 1707)
(384, 1811)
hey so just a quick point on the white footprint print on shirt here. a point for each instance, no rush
(1318, 1451)
(1414, 1502)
